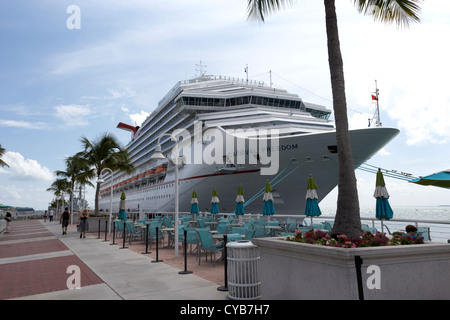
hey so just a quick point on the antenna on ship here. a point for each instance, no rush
(200, 70)
(246, 71)
(376, 116)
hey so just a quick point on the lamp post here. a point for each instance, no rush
(101, 180)
(157, 155)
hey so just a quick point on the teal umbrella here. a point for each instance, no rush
(215, 202)
(383, 210)
(438, 179)
(312, 205)
(194, 203)
(122, 207)
(268, 208)
(240, 202)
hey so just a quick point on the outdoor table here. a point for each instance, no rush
(272, 229)
(171, 234)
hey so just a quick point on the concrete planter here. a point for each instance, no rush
(291, 270)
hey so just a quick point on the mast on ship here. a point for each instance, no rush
(376, 116)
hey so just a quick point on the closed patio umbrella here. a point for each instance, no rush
(383, 209)
(239, 211)
(438, 179)
(312, 205)
(194, 203)
(122, 207)
(268, 208)
(215, 202)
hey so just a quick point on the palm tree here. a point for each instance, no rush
(401, 12)
(59, 187)
(77, 171)
(2, 152)
(105, 152)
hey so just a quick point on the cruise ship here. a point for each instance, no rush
(224, 132)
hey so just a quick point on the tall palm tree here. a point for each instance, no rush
(104, 152)
(401, 12)
(77, 171)
(2, 152)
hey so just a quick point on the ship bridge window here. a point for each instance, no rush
(318, 113)
(198, 101)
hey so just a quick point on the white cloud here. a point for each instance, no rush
(73, 115)
(22, 169)
(22, 124)
(138, 118)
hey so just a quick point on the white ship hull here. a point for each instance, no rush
(299, 156)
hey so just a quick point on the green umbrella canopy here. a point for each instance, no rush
(240, 191)
(268, 188)
(122, 196)
(194, 194)
(380, 179)
(311, 184)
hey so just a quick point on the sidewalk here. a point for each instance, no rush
(35, 256)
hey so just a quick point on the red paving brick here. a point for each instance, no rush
(21, 279)
(27, 248)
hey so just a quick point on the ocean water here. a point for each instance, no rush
(431, 217)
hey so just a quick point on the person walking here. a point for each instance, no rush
(8, 219)
(83, 223)
(64, 220)
(45, 216)
(50, 214)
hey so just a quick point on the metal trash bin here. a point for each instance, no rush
(243, 271)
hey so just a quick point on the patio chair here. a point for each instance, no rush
(221, 228)
(424, 232)
(241, 230)
(207, 244)
(191, 237)
(365, 227)
(118, 225)
(132, 232)
(291, 225)
(234, 237)
(250, 234)
(152, 235)
(328, 225)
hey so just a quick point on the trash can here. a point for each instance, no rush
(243, 271)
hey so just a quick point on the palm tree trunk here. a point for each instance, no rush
(347, 219)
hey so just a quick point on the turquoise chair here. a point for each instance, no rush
(207, 244)
(365, 227)
(191, 237)
(234, 237)
(250, 234)
(118, 224)
(241, 230)
(260, 231)
(328, 225)
(291, 225)
(152, 235)
(221, 228)
(424, 232)
(132, 232)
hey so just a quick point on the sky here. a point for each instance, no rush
(70, 73)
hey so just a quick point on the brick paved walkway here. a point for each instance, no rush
(33, 261)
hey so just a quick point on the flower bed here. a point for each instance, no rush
(368, 239)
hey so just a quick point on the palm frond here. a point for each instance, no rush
(400, 12)
(258, 9)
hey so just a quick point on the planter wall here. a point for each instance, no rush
(290, 270)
